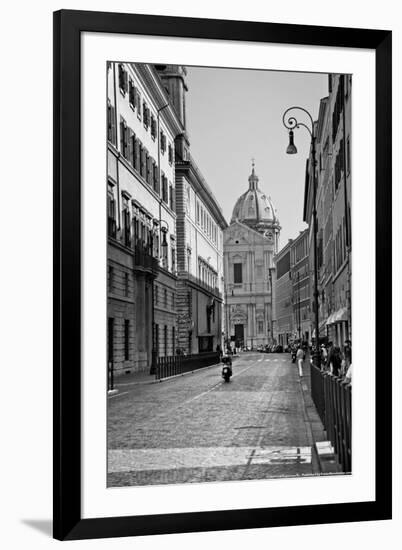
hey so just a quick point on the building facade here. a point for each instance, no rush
(250, 243)
(141, 215)
(200, 224)
(334, 243)
(292, 292)
(300, 276)
(284, 296)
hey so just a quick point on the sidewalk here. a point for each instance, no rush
(143, 377)
(133, 378)
(324, 452)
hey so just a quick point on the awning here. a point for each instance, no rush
(338, 316)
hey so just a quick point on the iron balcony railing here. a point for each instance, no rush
(211, 289)
(332, 397)
(144, 260)
(179, 364)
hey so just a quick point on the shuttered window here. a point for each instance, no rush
(155, 177)
(171, 197)
(126, 227)
(163, 143)
(151, 171)
(111, 215)
(123, 137)
(131, 93)
(123, 79)
(153, 127)
(148, 160)
(164, 189)
(131, 138)
(111, 123)
(138, 102)
(137, 154)
(143, 157)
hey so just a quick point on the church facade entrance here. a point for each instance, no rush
(249, 246)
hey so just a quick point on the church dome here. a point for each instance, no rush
(254, 208)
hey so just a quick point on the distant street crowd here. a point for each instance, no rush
(337, 361)
(333, 359)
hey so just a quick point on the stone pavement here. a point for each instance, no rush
(198, 428)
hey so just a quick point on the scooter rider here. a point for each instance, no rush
(227, 363)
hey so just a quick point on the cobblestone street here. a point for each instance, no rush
(198, 428)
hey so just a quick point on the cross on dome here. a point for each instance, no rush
(253, 179)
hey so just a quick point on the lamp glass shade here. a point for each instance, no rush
(291, 149)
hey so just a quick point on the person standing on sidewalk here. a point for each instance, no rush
(330, 352)
(336, 361)
(300, 359)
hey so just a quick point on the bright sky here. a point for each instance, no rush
(234, 115)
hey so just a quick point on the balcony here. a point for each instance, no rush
(214, 290)
(144, 261)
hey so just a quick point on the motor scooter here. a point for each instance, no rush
(227, 367)
(294, 352)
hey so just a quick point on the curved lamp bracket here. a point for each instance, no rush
(292, 121)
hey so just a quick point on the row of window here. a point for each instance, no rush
(139, 158)
(299, 251)
(206, 274)
(126, 339)
(340, 245)
(238, 274)
(127, 86)
(162, 340)
(122, 284)
(140, 232)
(161, 297)
(206, 223)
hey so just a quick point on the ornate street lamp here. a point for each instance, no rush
(163, 241)
(291, 123)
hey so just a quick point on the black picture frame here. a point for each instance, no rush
(68, 26)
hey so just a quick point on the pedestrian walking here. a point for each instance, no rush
(300, 360)
(347, 354)
(324, 355)
(330, 351)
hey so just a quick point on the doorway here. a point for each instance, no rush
(239, 336)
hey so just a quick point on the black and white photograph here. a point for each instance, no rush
(180, 301)
(229, 274)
